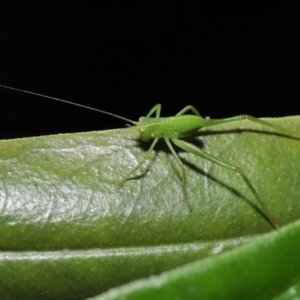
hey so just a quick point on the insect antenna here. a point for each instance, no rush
(69, 102)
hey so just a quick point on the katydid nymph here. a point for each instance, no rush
(172, 130)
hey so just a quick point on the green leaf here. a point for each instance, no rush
(292, 293)
(64, 219)
(259, 270)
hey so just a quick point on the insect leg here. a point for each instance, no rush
(211, 122)
(121, 184)
(157, 109)
(265, 123)
(197, 151)
(187, 108)
(183, 172)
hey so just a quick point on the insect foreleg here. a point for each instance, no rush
(157, 109)
(183, 172)
(187, 108)
(197, 151)
(121, 184)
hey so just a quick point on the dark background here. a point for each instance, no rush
(224, 57)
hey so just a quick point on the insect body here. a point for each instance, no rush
(172, 130)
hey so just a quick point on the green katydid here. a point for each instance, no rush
(173, 129)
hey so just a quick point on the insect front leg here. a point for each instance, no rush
(199, 152)
(157, 109)
(121, 184)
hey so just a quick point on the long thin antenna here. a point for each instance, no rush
(68, 102)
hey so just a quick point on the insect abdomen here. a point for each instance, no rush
(178, 126)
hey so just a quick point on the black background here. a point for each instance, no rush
(224, 57)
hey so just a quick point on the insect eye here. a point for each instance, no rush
(143, 128)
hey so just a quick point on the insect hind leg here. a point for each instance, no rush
(199, 152)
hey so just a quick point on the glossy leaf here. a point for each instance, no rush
(259, 270)
(64, 218)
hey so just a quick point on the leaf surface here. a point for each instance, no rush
(64, 218)
(259, 270)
